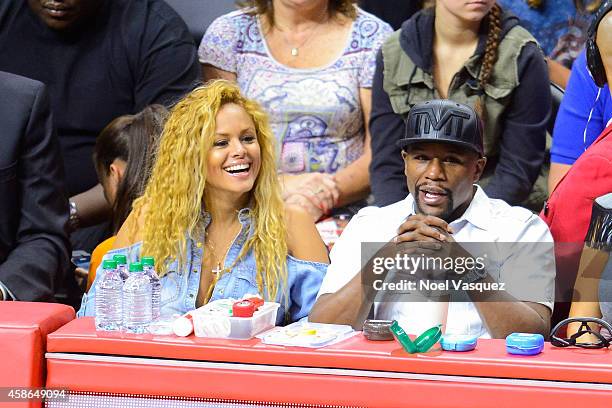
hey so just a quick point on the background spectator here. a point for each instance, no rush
(584, 113)
(479, 57)
(123, 156)
(569, 207)
(560, 28)
(100, 60)
(311, 68)
(34, 246)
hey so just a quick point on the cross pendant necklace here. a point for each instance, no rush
(217, 269)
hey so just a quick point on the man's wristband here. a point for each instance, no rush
(74, 216)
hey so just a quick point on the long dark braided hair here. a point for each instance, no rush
(490, 56)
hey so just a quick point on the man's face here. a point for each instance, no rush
(64, 15)
(440, 177)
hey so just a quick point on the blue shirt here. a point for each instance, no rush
(569, 140)
(180, 284)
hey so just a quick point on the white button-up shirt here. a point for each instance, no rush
(486, 220)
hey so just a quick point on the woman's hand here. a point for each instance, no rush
(319, 188)
(307, 204)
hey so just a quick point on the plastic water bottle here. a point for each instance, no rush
(148, 264)
(122, 266)
(136, 300)
(108, 298)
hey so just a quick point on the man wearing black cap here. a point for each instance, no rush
(443, 157)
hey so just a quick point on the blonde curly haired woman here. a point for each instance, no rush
(212, 214)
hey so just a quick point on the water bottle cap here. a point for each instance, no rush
(148, 261)
(121, 259)
(136, 267)
(109, 264)
(243, 308)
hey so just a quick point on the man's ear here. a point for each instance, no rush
(480, 166)
(405, 157)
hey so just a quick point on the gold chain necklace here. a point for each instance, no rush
(295, 49)
(218, 270)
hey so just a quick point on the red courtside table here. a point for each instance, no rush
(119, 370)
(23, 334)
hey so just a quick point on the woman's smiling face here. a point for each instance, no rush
(234, 158)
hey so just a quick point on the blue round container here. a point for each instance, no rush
(524, 344)
(458, 342)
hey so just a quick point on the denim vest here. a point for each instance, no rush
(181, 283)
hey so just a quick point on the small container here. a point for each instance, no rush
(458, 342)
(524, 344)
(220, 326)
(421, 344)
(307, 334)
(377, 330)
(403, 338)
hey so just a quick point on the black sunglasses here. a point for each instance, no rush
(584, 329)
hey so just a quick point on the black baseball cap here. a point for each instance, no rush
(445, 121)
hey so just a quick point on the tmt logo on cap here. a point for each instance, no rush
(443, 121)
(425, 120)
